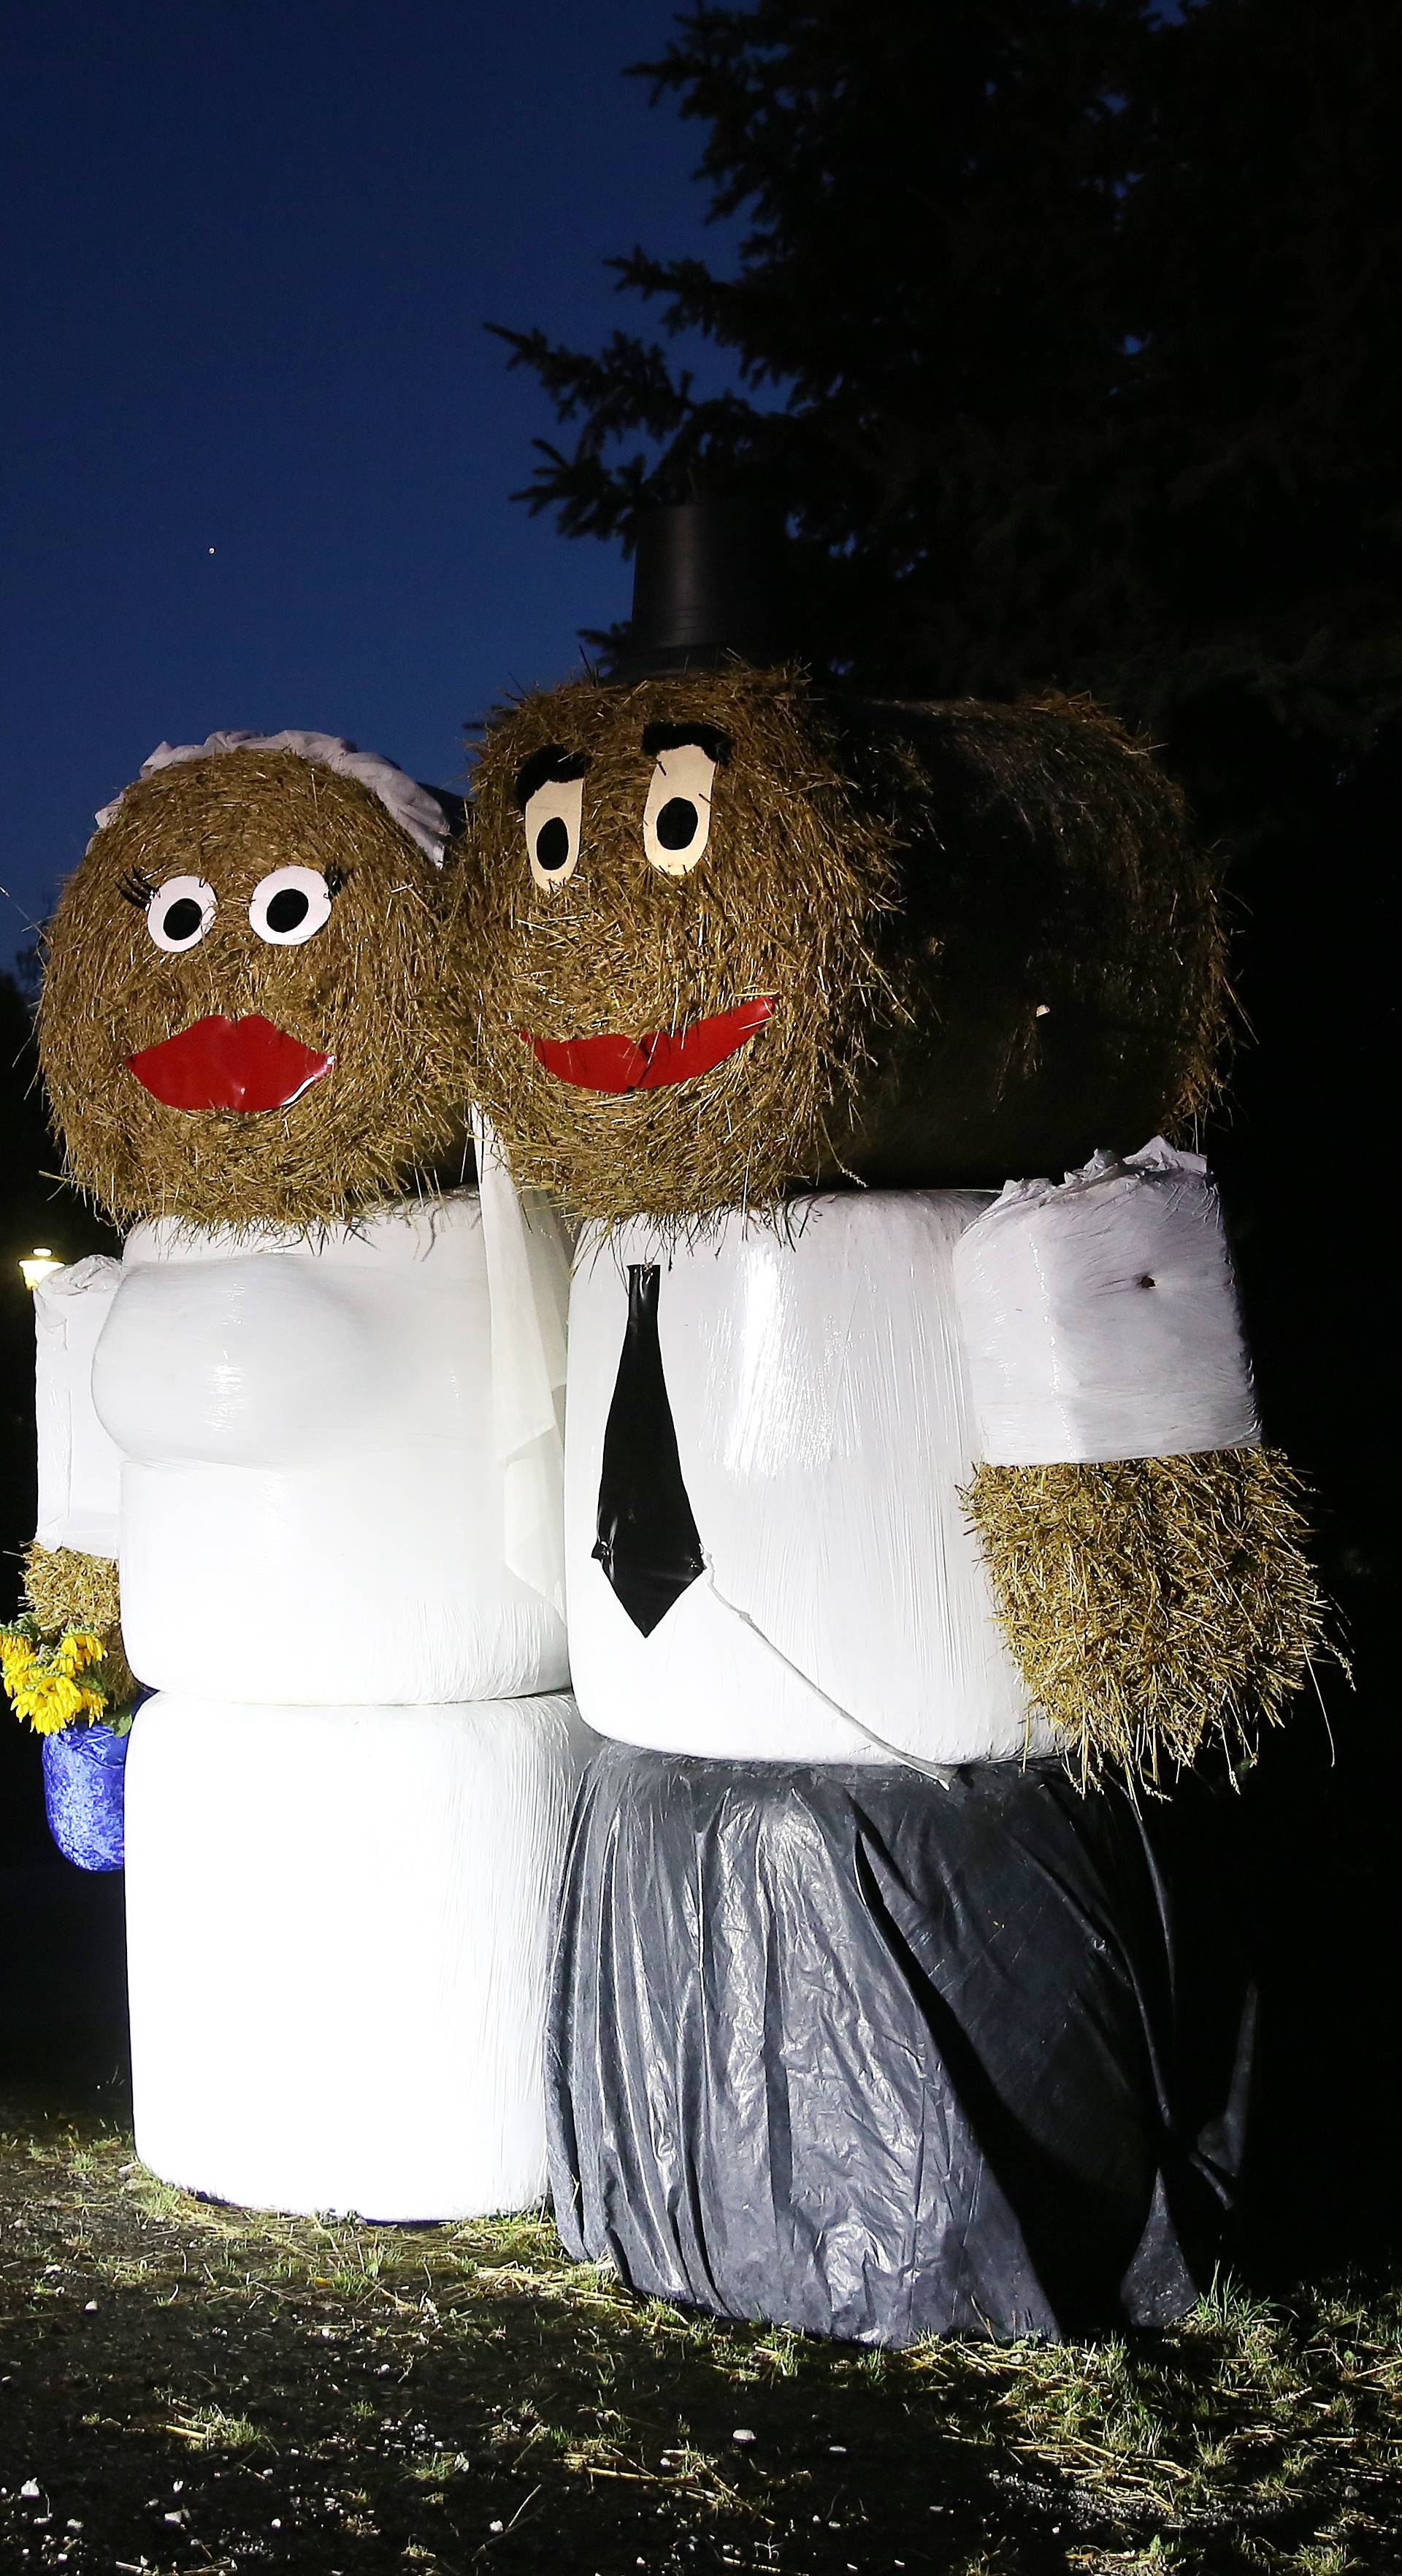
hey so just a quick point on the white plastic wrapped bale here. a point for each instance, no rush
(339, 1930)
(312, 1505)
(79, 1462)
(823, 1431)
(1100, 1316)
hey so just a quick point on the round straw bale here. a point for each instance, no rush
(785, 902)
(373, 990)
(986, 939)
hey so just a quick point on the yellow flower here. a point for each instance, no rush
(16, 1654)
(43, 1682)
(78, 1648)
(50, 1701)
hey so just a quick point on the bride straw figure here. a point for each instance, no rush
(281, 1415)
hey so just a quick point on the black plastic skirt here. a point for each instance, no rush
(878, 2055)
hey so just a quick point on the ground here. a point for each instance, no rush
(186, 2387)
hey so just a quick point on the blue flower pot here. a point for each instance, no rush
(84, 1773)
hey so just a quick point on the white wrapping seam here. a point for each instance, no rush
(79, 1464)
(1100, 1316)
(415, 809)
(941, 1771)
(528, 1250)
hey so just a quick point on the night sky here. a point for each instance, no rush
(257, 443)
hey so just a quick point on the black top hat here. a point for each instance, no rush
(708, 586)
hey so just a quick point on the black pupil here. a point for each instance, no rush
(183, 919)
(552, 843)
(676, 824)
(287, 910)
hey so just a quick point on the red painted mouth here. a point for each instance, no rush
(611, 1063)
(246, 1064)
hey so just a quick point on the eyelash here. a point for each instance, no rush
(137, 889)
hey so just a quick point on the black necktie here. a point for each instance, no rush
(648, 1544)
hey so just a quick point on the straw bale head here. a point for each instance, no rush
(676, 908)
(736, 939)
(246, 1016)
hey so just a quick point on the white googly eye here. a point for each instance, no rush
(180, 912)
(291, 905)
(677, 815)
(553, 818)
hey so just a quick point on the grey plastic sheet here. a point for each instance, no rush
(877, 2056)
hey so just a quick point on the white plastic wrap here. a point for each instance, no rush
(415, 809)
(79, 1464)
(1100, 1316)
(312, 1508)
(823, 1427)
(528, 1249)
(339, 1932)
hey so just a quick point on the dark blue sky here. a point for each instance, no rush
(250, 251)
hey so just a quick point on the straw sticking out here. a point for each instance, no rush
(1155, 1603)
(66, 1589)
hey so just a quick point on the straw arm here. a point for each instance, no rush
(1154, 1606)
(67, 1590)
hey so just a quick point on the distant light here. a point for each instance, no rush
(214, 550)
(40, 1262)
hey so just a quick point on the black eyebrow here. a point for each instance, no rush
(673, 737)
(548, 767)
(136, 888)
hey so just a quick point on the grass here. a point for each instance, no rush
(184, 2386)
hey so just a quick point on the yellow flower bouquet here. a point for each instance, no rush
(54, 1682)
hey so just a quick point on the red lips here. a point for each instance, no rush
(610, 1063)
(216, 1063)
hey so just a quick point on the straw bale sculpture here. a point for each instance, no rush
(272, 1424)
(873, 1477)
